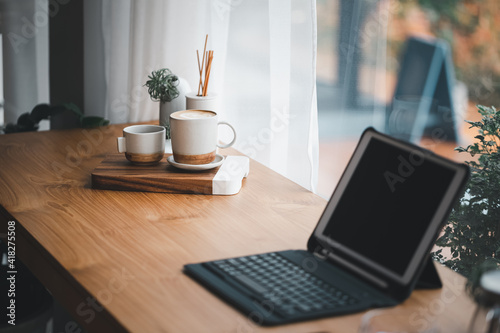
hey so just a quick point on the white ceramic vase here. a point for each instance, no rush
(209, 102)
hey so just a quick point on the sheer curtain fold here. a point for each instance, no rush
(116, 23)
(264, 69)
(24, 54)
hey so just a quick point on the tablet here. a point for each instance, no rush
(399, 195)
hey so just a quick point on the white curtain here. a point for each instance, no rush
(263, 68)
(24, 26)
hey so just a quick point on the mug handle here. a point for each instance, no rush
(234, 135)
(121, 145)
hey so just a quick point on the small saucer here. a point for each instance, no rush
(196, 167)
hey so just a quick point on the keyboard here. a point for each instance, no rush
(281, 285)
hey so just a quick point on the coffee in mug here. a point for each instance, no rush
(194, 135)
(142, 144)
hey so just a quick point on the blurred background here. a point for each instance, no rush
(355, 86)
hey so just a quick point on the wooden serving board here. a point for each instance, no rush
(116, 173)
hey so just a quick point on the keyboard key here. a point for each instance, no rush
(251, 284)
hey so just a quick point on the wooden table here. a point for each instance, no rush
(127, 249)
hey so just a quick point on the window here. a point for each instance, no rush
(360, 47)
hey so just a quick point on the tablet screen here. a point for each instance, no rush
(389, 205)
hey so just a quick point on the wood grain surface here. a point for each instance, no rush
(126, 250)
(115, 172)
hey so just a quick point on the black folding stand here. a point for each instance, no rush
(429, 279)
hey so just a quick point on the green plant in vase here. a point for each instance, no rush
(162, 87)
(473, 231)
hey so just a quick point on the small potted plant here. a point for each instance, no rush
(57, 114)
(165, 87)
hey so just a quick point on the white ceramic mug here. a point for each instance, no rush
(142, 144)
(194, 136)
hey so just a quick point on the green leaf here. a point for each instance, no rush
(40, 111)
(26, 123)
(10, 128)
(92, 121)
(73, 107)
